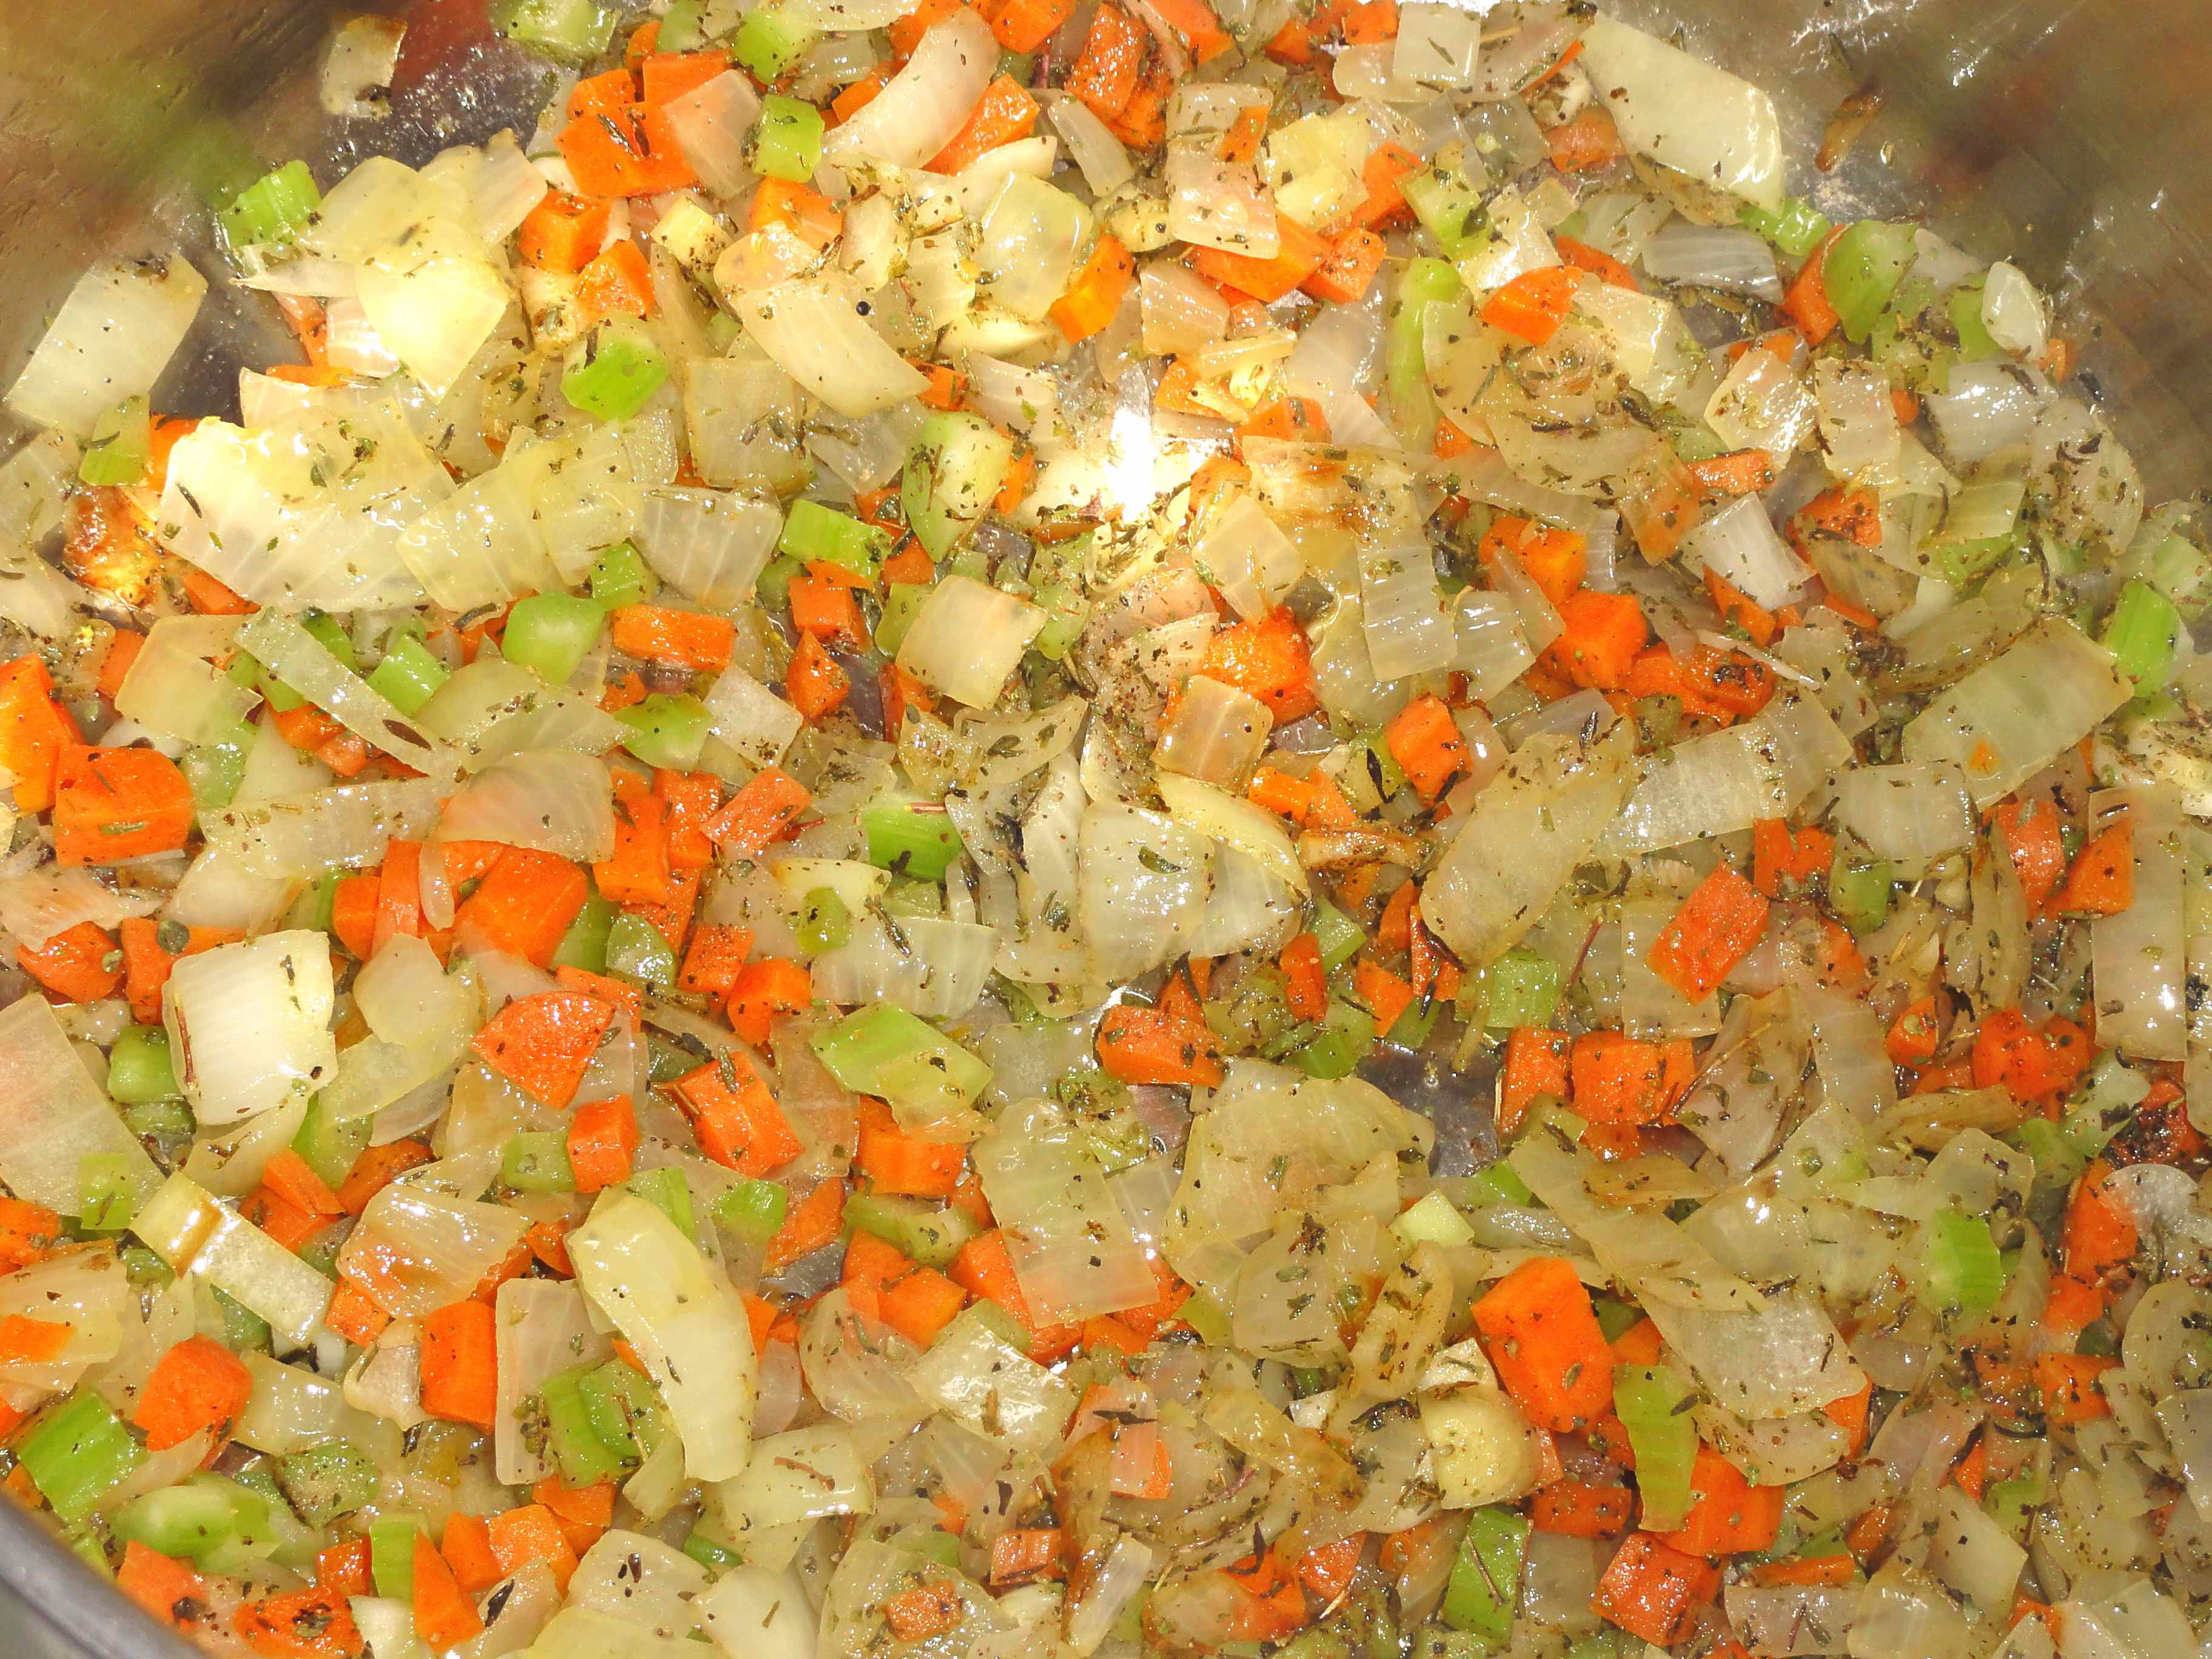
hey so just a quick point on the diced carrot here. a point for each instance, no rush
(1142, 123)
(1021, 1555)
(1299, 420)
(985, 1269)
(2099, 1235)
(1582, 1511)
(1619, 1080)
(376, 1168)
(524, 905)
(810, 1224)
(1539, 1330)
(28, 1232)
(1785, 861)
(803, 210)
(1386, 995)
(734, 1115)
(1194, 27)
(826, 610)
(531, 1535)
(1345, 276)
(1716, 928)
(355, 1316)
(168, 1590)
(544, 1043)
(302, 1623)
(637, 871)
(897, 1163)
(1532, 305)
(815, 684)
(1105, 72)
(1604, 632)
(563, 233)
(1603, 266)
(444, 1616)
(1589, 141)
(1834, 1570)
(664, 76)
(1536, 1063)
(925, 1611)
(2068, 1383)
(1299, 254)
(80, 964)
(460, 1367)
(1427, 743)
(1004, 113)
(770, 989)
(1653, 1590)
(2102, 880)
(1741, 472)
(1806, 303)
(1728, 1514)
(2033, 840)
(1169, 1043)
(466, 1546)
(197, 1384)
(1269, 659)
(1555, 560)
(715, 958)
(1095, 295)
(678, 639)
(630, 150)
(1023, 25)
(602, 1142)
(764, 812)
(34, 729)
(147, 963)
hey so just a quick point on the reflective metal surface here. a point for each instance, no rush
(2071, 135)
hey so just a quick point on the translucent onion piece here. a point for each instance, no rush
(1220, 205)
(1684, 113)
(553, 800)
(1763, 405)
(1913, 812)
(249, 1023)
(1207, 809)
(37, 596)
(1529, 827)
(1104, 163)
(296, 657)
(752, 719)
(1739, 543)
(544, 1325)
(1438, 45)
(925, 104)
(35, 483)
(974, 1373)
(1987, 408)
(968, 639)
(925, 964)
(301, 834)
(1402, 612)
(33, 908)
(416, 1247)
(1731, 260)
(111, 340)
(686, 1324)
(711, 123)
(1215, 733)
(184, 1225)
(1511, 242)
(2013, 312)
(1856, 416)
(2139, 957)
(709, 545)
(2007, 720)
(754, 1613)
(1180, 311)
(53, 1115)
(1487, 643)
(817, 336)
(492, 708)
(802, 1475)
(1028, 248)
(174, 691)
(1142, 880)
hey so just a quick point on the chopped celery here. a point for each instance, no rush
(116, 452)
(1864, 267)
(1446, 202)
(166, 1120)
(2141, 633)
(536, 1161)
(1520, 989)
(316, 903)
(786, 141)
(1337, 935)
(584, 945)
(900, 1057)
(2180, 569)
(1407, 374)
(823, 922)
(1976, 344)
(667, 730)
(1796, 228)
(620, 576)
(768, 43)
(625, 1410)
(668, 1191)
(639, 951)
(1653, 1406)
(214, 769)
(902, 604)
(1434, 1220)
(1066, 613)
(683, 26)
(138, 1067)
(326, 1482)
(903, 896)
(773, 586)
(1485, 1586)
(1615, 1319)
(77, 1453)
(409, 675)
(584, 1458)
(611, 373)
(574, 30)
(272, 209)
(187, 1522)
(1959, 1262)
(753, 1210)
(715, 1557)
(912, 838)
(1858, 890)
(1347, 1033)
(392, 1555)
(552, 634)
(331, 1148)
(815, 534)
(108, 1200)
(930, 1235)
(1500, 1179)
(268, 1531)
(1968, 561)
(2012, 1503)
(953, 473)
(243, 1329)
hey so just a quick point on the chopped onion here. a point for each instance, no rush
(1243, 553)
(2006, 722)
(925, 104)
(2014, 312)
(710, 545)
(174, 691)
(1857, 415)
(1402, 612)
(1988, 407)
(357, 70)
(111, 340)
(1027, 249)
(1529, 827)
(925, 964)
(752, 719)
(754, 1613)
(688, 1328)
(184, 1225)
(53, 1115)
(817, 336)
(802, 1475)
(711, 123)
(1207, 809)
(416, 1248)
(296, 657)
(974, 1373)
(298, 835)
(1215, 733)
(2139, 956)
(37, 596)
(968, 639)
(249, 1023)
(1181, 312)
(1143, 879)
(1731, 260)
(1438, 45)
(492, 708)
(1220, 205)
(1488, 646)
(1104, 163)
(1511, 243)
(543, 1326)
(1762, 404)
(1739, 543)
(1913, 813)
(36, 906)
(553, 800)
(1684, 113)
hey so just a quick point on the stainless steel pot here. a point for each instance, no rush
(2068, 135)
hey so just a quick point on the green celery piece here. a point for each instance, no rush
(1339, 937)
(1862, 271)
(1652, 1404)
(2181, 570)
(584, 1458)
(409, 675)
(243, 1329)
(715, 1557)
(823, 922)
(1796, 228)
(77, 1453)
(1959, 1262)
(753, 1210)
(2141, 634)
(639, 951)
(214, 769)
(584, 945)
(1347, 1033)
(1066, 613)
(574, 31)
(902, 604)
(773, 586)
(1614, 1318)
(168, 1120)
(953, 472)
(1859, 892)
(1406, 376)
(1976, 344)
(1446, 202)
(108, 1202)
(683, 27)
(1521, 988)
(272, 209)
(620, 576)
(1964, 562)
(116, 452)
(326, 1482)
(815, 534)
(1485, 1585)
(931, 1235)
(317, 900)
(624, 1409)
(392, 1555)
(786, 139)
(912, 838)
(552, 634)
(898, 1056)
(668, 729)
(2012, 1503)
(331, 1148)
(536, 1161)
(1509, 1189)
(611, 373)
(190, 1520)
(768, 43)
(138, 1067)
(668, 1191)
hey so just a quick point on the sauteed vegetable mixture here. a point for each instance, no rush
(704, 920)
